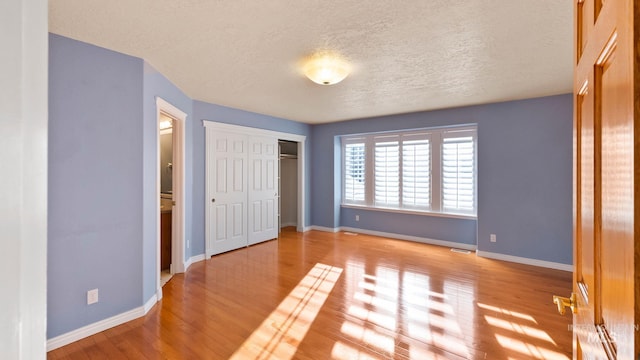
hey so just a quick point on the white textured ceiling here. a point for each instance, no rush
(407, 55)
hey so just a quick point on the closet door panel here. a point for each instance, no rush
(263, 191)
(226, 191)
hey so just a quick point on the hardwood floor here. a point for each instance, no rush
(321, 295)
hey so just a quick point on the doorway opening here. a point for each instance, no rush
(166, 196)
(170, 250)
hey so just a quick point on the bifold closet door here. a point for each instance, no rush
(227, 155)
(263, 189)
(242, 190)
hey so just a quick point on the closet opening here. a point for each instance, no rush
(288, 185)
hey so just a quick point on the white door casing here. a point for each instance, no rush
(178, 241)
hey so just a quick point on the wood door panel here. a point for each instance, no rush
(585, 275)
(605, 209)
(583, 24)
(617, 199)
(588, 220)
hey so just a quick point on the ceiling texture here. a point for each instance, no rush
(407, 56)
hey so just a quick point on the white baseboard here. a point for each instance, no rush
(303, 228)
(526, 261)
(323, 228)
(423, 240)
(496, 256)
(290, 223)
(150, 303)
(192, 260)
(96, 327)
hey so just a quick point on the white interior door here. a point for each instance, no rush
(227, 191)
(263, 189)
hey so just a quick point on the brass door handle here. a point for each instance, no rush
(563, 302)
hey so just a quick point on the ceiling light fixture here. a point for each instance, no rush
(326, 68)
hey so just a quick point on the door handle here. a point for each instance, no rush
(213, 200)
(563, 302)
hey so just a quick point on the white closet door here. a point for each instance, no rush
(227, 156)
(263, 189)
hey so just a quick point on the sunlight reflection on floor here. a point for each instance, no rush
(376, 304)
(281, 332)
(530, 350)
(513, 322)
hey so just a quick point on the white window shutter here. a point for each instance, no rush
(354, 172)
(458, 172)
(416, 174)
(387, 171)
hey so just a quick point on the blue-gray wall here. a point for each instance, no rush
(156, 85)
(524, 178)
(102, 182)
(211, 112)
(95, 182)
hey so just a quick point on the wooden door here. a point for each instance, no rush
(263, 189)
(604, 191)
(226, 191)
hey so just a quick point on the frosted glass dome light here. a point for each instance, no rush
(326, 68)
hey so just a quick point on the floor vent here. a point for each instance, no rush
(461, 251)
(350, 233)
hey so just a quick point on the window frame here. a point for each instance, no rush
(435, 136)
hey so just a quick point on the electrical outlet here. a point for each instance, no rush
(92, 296)
(492, 237)
(357, 217)
(188, 242)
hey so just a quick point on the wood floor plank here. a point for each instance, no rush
(391, 299)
